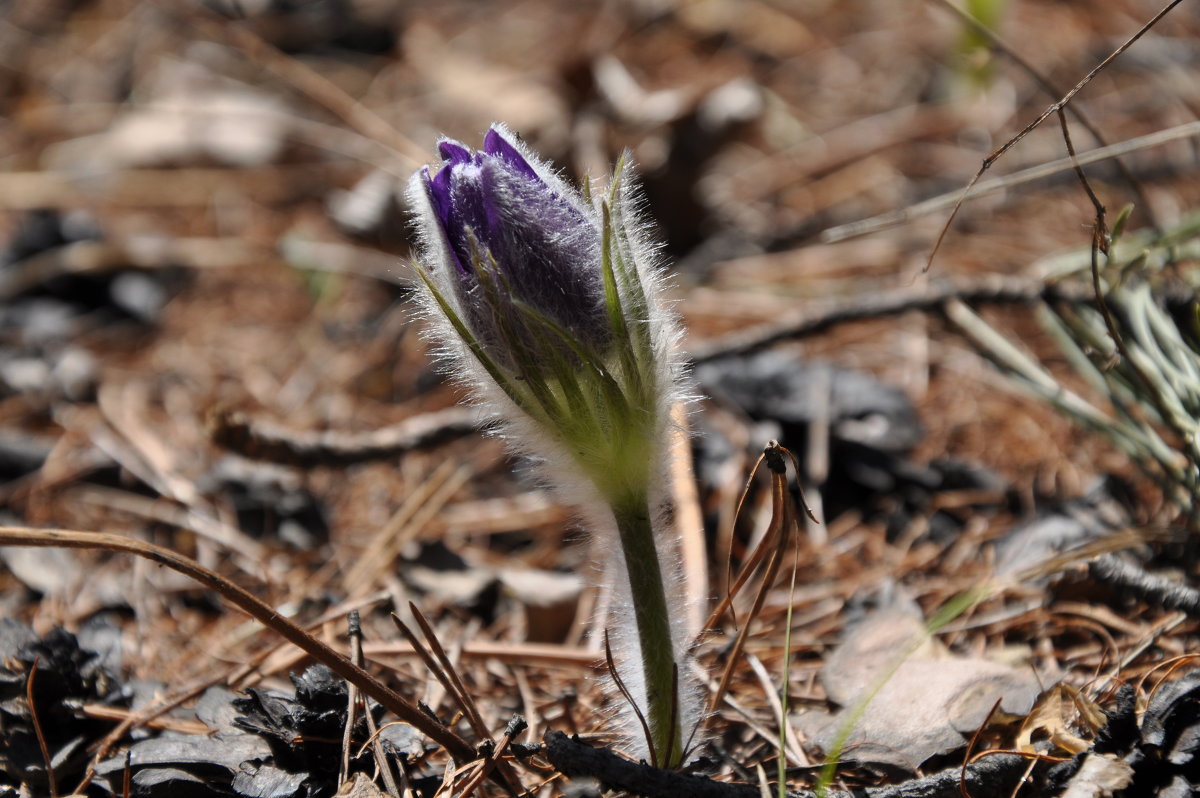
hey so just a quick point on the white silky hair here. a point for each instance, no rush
(556, 468)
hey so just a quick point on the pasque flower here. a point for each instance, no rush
(546, 301)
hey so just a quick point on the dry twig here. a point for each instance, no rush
(252, 606)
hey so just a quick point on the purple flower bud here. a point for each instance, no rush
(493, 206)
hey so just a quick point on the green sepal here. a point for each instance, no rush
(473, 344)
(548, 409)
(612, 301)
(637, 313)
(1118, 225)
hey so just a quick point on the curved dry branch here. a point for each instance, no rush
(404, 709)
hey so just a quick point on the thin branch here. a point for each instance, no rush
(397, 704)
(37, 729)
(641, 718)
(516, 725)
(1054, 91)
(1133, 579)
(436, 660)
(265, 440)
(356, 656)
(941, 202)
(1054, 108)
(992, 289)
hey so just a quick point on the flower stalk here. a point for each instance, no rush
(651, 615)
(546, 301)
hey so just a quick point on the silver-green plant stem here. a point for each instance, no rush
(652, 619)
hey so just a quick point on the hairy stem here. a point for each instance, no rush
(652, 619)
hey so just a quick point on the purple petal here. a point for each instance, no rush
(547, 250)
(454, 153)
(438, 188)
(495, 144)
(473, 206)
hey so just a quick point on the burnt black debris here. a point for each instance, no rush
(1062, 526)
(36, 264)
(872, 428)
(779, 386)
(263, 745)
(1162, 750)
(317, 26)
(1132, 579)
(45, 229)
(304, 734)
(65, 677)
(1167, 756)
(270, 501)
(51, 292)
(174, 764)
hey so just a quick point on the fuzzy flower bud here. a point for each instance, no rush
(499, 220)
(547, 303)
